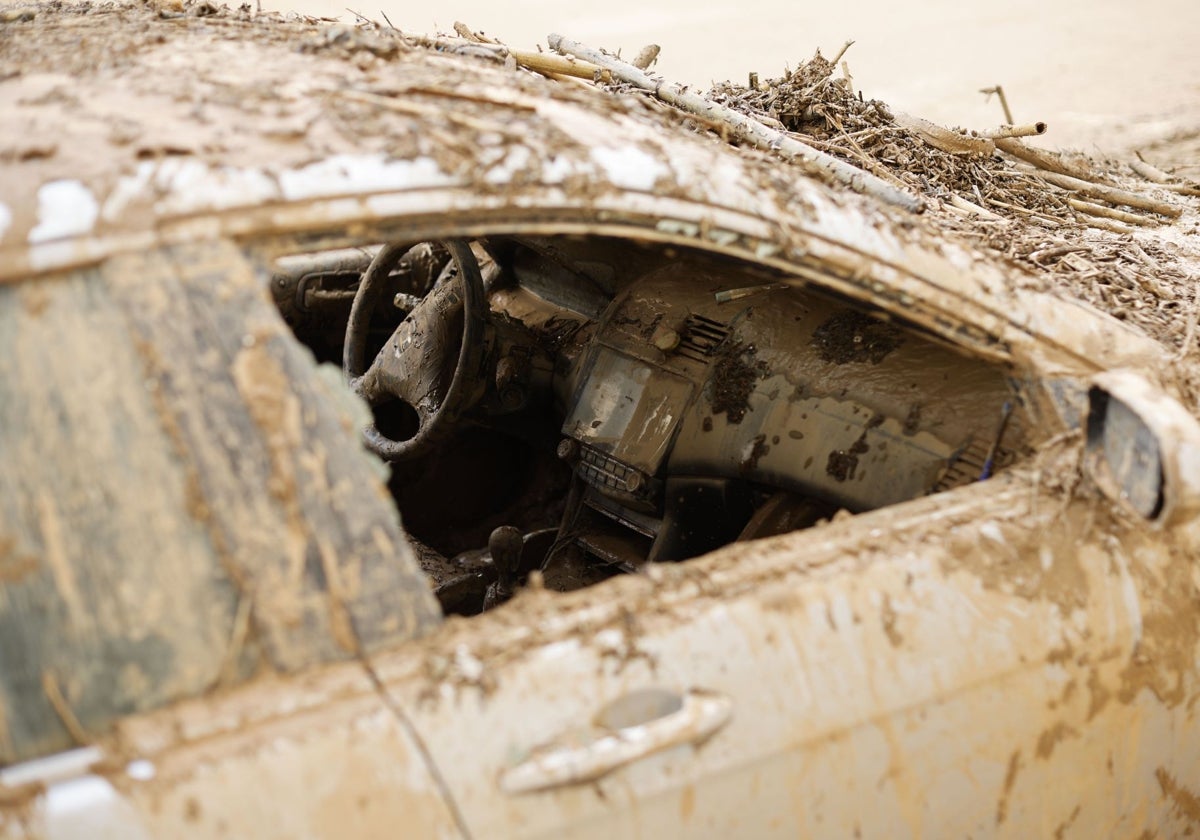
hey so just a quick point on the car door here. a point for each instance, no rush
(1014, 658)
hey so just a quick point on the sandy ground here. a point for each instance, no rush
(1107, 75)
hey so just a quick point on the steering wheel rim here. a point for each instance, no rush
(367, 382)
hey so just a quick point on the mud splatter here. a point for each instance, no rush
(843, 463)
(732, 380)
(1049, 739)
(1010, 779)
(855, 337)
(1187, 804)
(1061, 831)
(888, 617)
(912, 421)
(15, 567)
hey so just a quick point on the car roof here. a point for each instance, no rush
(126, 126)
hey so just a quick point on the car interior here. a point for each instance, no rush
(579, 406)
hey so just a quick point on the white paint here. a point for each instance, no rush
(178, 186)
(467, 664)
(192, 186)
(128, 189)
(610, 639)
(65, 208)
(90, 807)
(350, 174)
(516, 160)
(51, 768)
(991, 531)
(141, 770)
(630, 167)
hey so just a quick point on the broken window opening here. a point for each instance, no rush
(633, 403)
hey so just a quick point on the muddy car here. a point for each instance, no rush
(396, 443)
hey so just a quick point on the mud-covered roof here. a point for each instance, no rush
(108, 95)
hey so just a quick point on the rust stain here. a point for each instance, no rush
(1050, 739)
(1010, 779)
(1187, 803)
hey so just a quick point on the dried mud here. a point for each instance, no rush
(733, 378)
(855, 337)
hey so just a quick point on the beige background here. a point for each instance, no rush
(1107, 75)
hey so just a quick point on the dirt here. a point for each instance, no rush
(843, 463)
(733, 377)
(855, 337)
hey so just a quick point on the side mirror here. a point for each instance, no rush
(1143, 449)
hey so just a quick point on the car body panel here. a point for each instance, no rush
(939, 667)
(962, 675)
(322, 756)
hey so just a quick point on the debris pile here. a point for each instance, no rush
(1120, 236)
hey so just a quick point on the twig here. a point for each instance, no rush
(1029, 130)
(647, 56)
(999, 91)
(1182, 189)
(1049, 161)
(1112, 227)
(962, 204)
(470, 34)
(816, 163)
(1148, 170)
(1025, 211)
(547, 65)
(848, 78)
(1193, 316)
(1112, 194)
(1057, 251)
(833, 61)
(418, 109)
(943, 138)
(61, 708)
(856, 151)
(1110, 213)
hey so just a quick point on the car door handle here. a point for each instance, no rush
(692, 718)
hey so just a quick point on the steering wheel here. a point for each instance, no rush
(414, 365)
